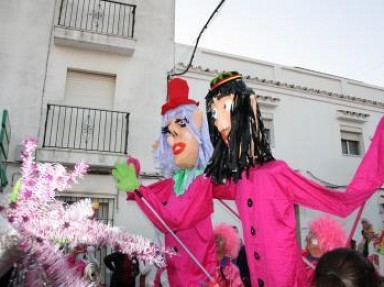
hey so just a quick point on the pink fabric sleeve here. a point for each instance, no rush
(163, 189)
(182, 212)
(367, 179)
(223, 191)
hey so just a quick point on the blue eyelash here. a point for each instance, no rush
(181, 122)
(164, 130)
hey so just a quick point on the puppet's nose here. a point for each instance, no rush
(224, 128)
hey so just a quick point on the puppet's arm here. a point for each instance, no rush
(223, 191)
(368, 178)
(370, 173)
(300, 190)
(190, 208)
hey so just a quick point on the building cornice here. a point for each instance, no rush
(352, 116)
(278, 84)
(267, 101)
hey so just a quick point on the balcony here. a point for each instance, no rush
(5, 137)
(97, 136)
(101, 25)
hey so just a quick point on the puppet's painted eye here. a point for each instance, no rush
(165, 130)
(182, 122)
(214, 113)
(228, 105)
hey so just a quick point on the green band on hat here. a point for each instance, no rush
(223, 78)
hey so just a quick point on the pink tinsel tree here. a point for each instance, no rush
(44, 224)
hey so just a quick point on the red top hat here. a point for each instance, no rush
(177, 95)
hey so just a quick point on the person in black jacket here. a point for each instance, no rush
(241, 262)
(124, 268)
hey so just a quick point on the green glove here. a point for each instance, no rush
(125, 177)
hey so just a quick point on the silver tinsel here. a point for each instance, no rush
(9, 239)
(92, 273)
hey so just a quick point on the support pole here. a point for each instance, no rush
(229, 209)
(358, 216)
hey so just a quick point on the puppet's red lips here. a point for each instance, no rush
(178, 148)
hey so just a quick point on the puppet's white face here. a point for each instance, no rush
(221, 112)
(185, 146)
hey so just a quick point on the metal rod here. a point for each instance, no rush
(46, 124)
(347, 244)
(230, 209)
(126, 134)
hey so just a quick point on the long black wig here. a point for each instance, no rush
(247, 142)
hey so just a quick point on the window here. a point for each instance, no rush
(103, 212)
(268, 127)
(103, 207)
(351, 140)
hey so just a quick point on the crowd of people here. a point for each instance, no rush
(329, 263)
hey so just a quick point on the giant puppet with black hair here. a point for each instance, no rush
(180, 205)
(266, 190)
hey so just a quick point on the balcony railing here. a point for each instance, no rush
(98, 16)
(5, 138)
(86, 129)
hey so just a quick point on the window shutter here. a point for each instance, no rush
(89, 90)
(350, 136)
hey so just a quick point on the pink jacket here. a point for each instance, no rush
(189, 217)
(265, 201)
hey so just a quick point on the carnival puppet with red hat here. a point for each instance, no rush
(184, 199)
(266, 189)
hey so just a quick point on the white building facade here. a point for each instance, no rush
(88, 78)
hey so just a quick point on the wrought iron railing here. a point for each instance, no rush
(5, 138)
(86, 129)
(99, 16)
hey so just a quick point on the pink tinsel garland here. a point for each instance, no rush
(45, 223)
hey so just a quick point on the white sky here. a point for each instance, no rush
(339, 37)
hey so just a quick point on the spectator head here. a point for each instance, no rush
(365, 223)
(227, 240)
(344, 267)
(324, 235)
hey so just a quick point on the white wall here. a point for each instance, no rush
(23, 55)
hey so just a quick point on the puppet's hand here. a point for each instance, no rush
(125, 177)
